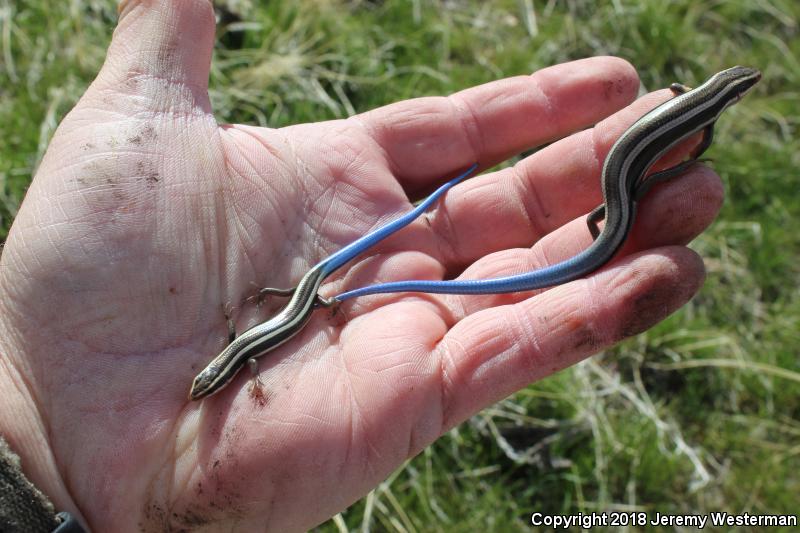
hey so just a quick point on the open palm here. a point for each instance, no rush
(148, 223)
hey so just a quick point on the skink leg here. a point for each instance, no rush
(270, 291)
(679, 88)
(708, 136)
(256, 387)
(228, 312)
(642, 188)
(328, 303)
(597, 214)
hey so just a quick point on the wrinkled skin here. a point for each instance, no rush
(148, 222)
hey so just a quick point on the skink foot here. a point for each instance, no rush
(269, 291)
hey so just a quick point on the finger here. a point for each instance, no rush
(427, 138)
(492, 354)
(161, 50)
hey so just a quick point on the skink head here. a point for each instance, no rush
(209, 381)
(734, 83)
(203, 384)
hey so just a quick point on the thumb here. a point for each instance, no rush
(161, 49)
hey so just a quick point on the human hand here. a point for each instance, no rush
(147, 218)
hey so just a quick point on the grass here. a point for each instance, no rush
(702, 412)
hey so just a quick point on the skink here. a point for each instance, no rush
(623, 183)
